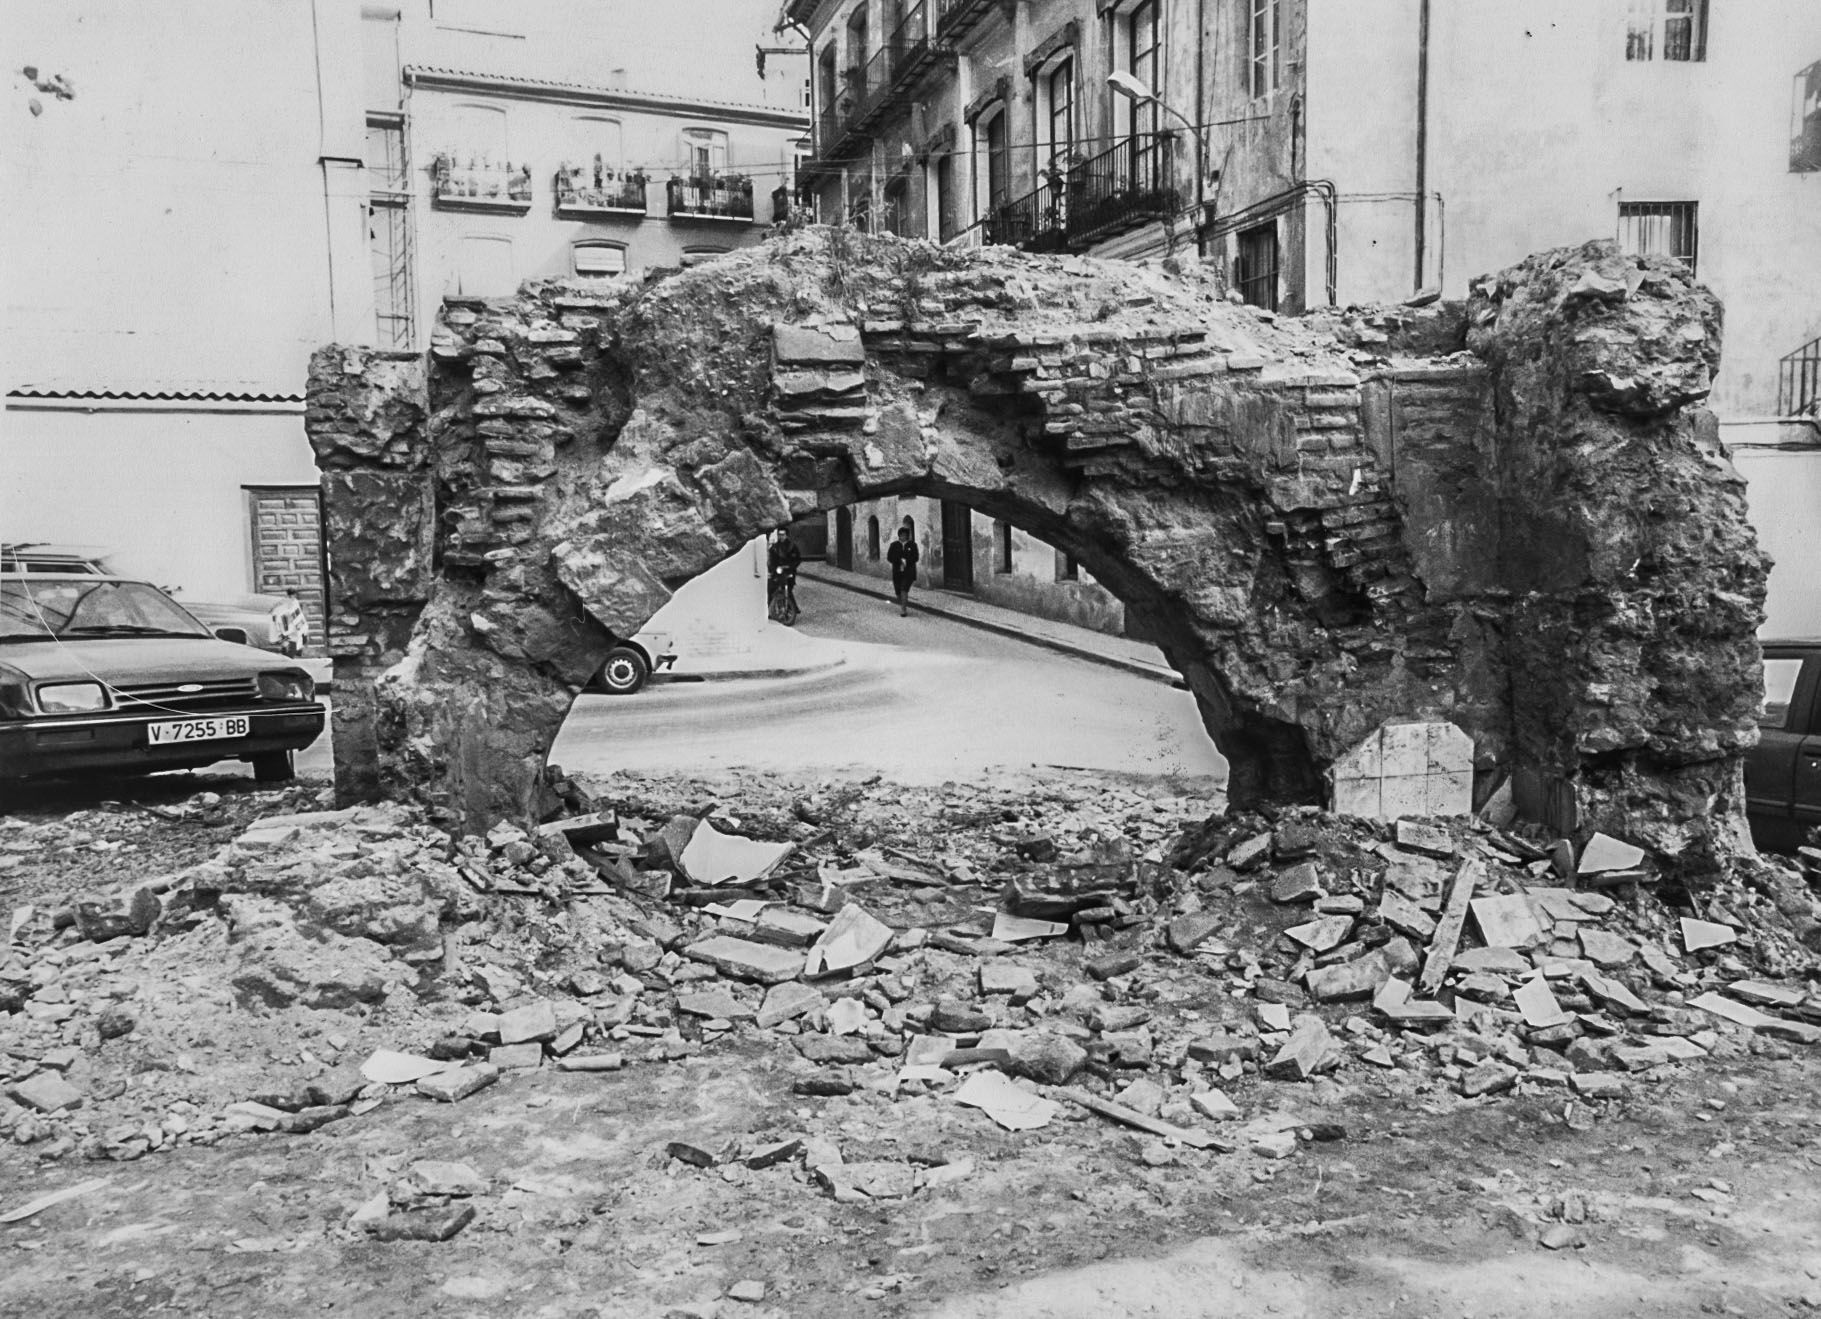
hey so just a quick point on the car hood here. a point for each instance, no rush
(132, 660)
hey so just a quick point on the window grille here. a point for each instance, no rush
(1660, 229)
(1255, 271)
(1666, 30)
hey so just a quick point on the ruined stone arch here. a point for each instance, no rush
(1511, 515)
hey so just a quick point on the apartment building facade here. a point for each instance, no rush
(1332, 152)
(203, 200)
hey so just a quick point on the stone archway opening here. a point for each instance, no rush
(1510, 516)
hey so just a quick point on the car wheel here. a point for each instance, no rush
(624, 672)
(273, 767)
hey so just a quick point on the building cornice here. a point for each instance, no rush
(563, 93)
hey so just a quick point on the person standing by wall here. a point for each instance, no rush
(903, 558)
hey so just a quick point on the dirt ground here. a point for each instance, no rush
(1697, 1192)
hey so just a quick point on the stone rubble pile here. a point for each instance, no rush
(1076, 953)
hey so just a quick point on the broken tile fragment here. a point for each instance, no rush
(1538, 1004)
(1506, 921)
(1697, 935)
(1605, 853)
(853, 938)
(1318, 936)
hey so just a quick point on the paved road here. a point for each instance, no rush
(921, 699)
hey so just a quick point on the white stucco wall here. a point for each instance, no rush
(1784, 493)
(1539, 128)
(163, 490)
(719, 614)
(174, 211)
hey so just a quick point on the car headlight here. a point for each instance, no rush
(286, 686)
(72, 698)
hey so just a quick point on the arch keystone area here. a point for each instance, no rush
(1511, 516)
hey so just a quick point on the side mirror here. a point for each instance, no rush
(238, 635)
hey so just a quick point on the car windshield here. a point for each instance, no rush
(39, 609)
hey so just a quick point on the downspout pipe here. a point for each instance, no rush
(1202, 131)
(1422, 142)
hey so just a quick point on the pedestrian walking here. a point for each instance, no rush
(903, 558)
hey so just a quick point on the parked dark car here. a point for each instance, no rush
(108, 674)
(270, 622)
(1783, 773)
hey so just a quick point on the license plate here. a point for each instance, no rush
(197, 730)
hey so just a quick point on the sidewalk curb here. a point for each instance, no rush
(1048, 643)
(734, 675)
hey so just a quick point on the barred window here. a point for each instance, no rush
(1660, 229)
(1666, 30)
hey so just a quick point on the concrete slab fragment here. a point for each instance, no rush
(763, 963)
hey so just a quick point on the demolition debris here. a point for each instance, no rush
(1079, 950)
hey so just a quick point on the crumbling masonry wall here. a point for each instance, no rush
(1511, 516)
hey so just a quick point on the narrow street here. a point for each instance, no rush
(920, 699)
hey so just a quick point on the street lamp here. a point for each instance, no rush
(1138, 94)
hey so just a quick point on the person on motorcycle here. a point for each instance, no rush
(782, 559)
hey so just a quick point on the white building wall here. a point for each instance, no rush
(163, 490)
(1538, 129)
(720, 613)
(1784, 493)
(167, 227)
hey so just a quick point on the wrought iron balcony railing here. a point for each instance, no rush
(479, 184)
(1119, 189)
(956, 18)
(867, 90)
(721, 197)
(1799, 382)
(581, 191)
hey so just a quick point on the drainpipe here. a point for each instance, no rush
(1422, 139)
(1201, 129)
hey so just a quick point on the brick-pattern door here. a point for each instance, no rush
(287, 550)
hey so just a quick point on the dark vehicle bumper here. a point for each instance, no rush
(75, 744)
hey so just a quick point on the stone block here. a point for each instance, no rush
(455, 1085)
(1309, 1049)
(1345, 981)
(1300, 883)
(534, 1022)
(743, 959)
(816, 346)
(516, 1057)
(46, 1092)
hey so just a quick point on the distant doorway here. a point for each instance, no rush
(844, 539)
(957, 546)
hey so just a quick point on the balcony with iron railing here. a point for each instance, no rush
(583, 193)
(477, 184)
(869, 90)
(1130, 184)
(956, 18)
(1799, 382)
(725, 198)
